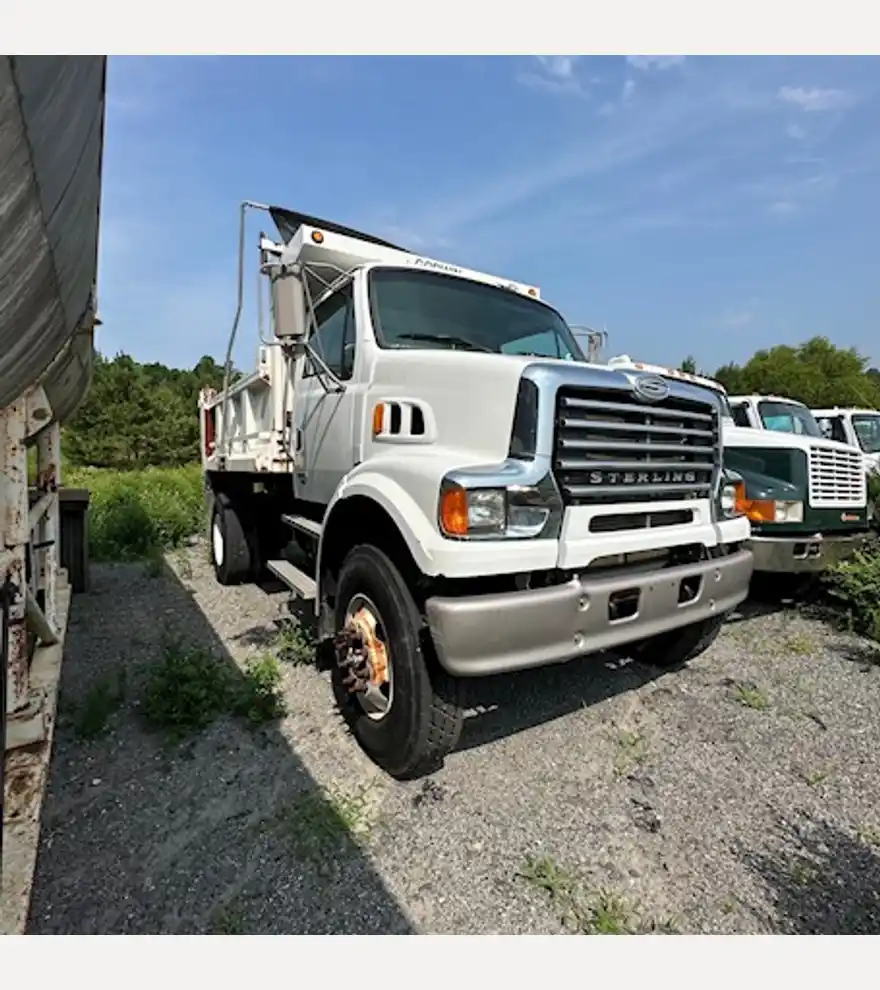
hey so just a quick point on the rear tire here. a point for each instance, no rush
(423, 720)
(233, 546)
(674, 649)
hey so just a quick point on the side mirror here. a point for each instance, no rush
(288, 303)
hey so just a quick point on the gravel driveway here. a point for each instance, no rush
(738, 795)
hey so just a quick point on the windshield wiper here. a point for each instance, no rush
(442, 338)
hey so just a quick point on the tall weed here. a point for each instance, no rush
(856, 586)
(135, 514)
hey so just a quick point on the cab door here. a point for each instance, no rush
(324, 438)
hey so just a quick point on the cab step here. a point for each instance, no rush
(304, 525)
(295, 579)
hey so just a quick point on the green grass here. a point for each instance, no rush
(190, 687)
(598, 912)
(136, 515)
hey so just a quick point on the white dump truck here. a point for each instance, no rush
(469, 497)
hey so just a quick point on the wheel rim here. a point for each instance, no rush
(377, 699)
(217, 542)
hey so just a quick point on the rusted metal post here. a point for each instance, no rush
(14, 533)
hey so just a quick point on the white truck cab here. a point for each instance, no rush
(469, 496)
(773, 412)
(856, 427)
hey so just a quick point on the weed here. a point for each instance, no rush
(601, 912)
(800, 645)
(258, 700)
(869, 834)
(320, 821)
(632, 749)
(812, 778)
(135, 514)
(802, 873)
(154, 562)
(227, 919)
(855, 584)
(100, 704)
(294, 645)
(751, 696)
(189, 688)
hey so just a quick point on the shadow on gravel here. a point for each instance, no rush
(823, 881)
(506, 704)
(226, 832)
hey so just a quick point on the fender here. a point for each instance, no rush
(412, 523)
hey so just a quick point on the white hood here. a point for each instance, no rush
(745, 436)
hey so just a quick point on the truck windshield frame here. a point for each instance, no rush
(803, 423)
(416, 309)
(866, 427)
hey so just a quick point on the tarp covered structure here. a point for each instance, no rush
(51, 149)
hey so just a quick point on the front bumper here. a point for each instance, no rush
(803, 554)
(492, 634)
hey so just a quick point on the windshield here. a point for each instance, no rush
(785, 417)
(726, 412)
(418, 309)
(867, 427)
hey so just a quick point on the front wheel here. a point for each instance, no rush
(674, 649)
(402, 710)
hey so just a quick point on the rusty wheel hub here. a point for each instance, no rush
(363, 659)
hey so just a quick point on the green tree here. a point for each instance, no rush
(139, 415)
(816, 372)
(689, 365)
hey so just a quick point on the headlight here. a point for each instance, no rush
(733, 502)
(771, 511)
(728, 501)
(516, 512)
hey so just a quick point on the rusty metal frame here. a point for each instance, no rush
(35, 622)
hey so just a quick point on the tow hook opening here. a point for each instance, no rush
(623, 604)
(689, 589)
(807, 551)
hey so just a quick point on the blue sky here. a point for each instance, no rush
(691, 205)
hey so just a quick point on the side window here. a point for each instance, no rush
(740, 416)
(832, 428)
(334, 337)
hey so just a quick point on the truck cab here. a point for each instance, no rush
(806, 496)
(859, 428)
(466, 495)
(773, 412)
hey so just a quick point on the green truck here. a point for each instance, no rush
(805, 496)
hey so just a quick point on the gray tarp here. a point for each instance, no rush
(51, 147)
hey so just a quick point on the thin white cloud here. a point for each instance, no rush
(555, 74)
(628, 91)
(560, 66)
(661, 62)
(796, 132)
(782, 208)
(815, 99)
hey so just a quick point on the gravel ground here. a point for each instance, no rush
(738, 795)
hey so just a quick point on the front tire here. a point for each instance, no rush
(422, 720)
(674, 649)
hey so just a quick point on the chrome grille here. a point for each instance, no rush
(837, 479)
(609, 447)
